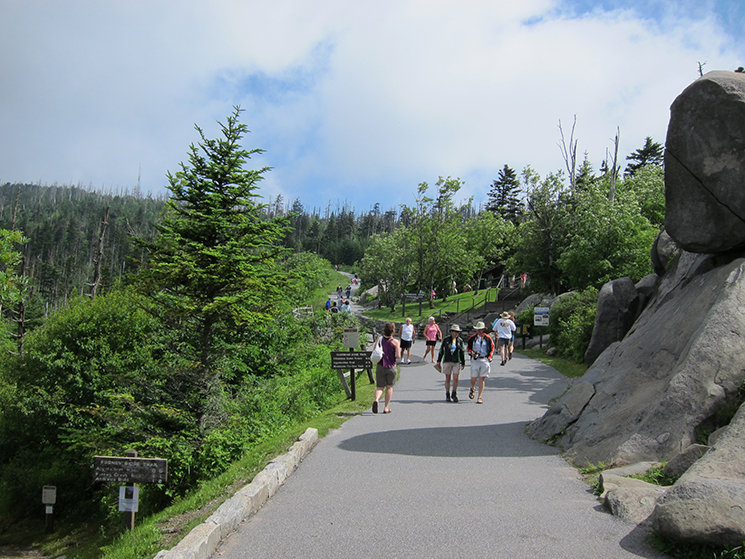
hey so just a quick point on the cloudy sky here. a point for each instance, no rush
(355, 102)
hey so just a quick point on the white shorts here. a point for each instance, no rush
(480, 368)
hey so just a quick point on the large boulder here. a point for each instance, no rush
(707, 504)
(616, 311)
(705, 165)
(665, 382)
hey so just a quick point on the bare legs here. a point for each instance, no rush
(388, 396)
(481, 382)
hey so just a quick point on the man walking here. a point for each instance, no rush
(505, 328)
(480, 348)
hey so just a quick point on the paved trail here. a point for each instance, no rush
(439, 480)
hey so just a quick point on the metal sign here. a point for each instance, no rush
(540, 316)
(116, 469)
(49, 495)
(351, 338)
(129, 499)
(351, 360)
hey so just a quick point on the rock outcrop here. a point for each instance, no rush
(679, 371)
(707, 504)
(618, 303)
(676, 368)
(704, 164)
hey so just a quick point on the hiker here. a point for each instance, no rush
(451, 361)
(505, 330)
(432, 333)
(385, 369)
(481, 348)
(407, 335)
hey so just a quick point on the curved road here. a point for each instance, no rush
(439, 480)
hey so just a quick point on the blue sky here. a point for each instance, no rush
(354, 102)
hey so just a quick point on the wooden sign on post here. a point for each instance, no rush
(116, 469)
(129, 470)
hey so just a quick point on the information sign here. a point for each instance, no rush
(114, 469)
(348, 360)
(129, 498)
(49, 495)
(351, 338)
(540, 316)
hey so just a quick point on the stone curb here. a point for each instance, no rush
(203, 540)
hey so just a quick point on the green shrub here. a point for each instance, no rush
(571, 324)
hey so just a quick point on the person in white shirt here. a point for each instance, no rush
(505, 328)
(407, 335)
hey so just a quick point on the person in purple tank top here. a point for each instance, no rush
(385, 369)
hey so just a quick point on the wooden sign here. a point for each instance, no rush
(115, 469)
(351, 360)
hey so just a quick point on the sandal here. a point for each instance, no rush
(479, 401)
(375, 407)
(471, 393)
(386, 411)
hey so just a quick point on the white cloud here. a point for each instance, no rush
(355, 101)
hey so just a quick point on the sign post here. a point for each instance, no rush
(129, 470)
(349, 361)
(541, 318)
(49, 499)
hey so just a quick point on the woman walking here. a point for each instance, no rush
(432, 333)
(452, 360)
(385, 369)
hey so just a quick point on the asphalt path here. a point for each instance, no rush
(440, 480)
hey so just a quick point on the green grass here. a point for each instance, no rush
(454, 303)
(564, 366)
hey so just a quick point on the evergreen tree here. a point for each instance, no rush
(504, 200)
(652, 153)
(211, 266)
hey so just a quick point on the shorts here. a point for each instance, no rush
(449, 368)
(432, 342)
(480, 368)
(504, 342)
(383, 376)
(406, 344)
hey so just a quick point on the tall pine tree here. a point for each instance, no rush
(212, 263)
(504, 199)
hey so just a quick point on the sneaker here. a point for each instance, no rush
(510, 357)
(502, 363)
(455, 396)
(408, 362)
(447, 397)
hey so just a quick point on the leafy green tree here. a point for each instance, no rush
(651, 153)
(648, 186)
(503, 198)
(388, 264)
(212, 265)
(435, 234)
(606, 239)
(488, 240)
(542, 236)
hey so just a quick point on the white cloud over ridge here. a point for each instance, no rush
(353, 102)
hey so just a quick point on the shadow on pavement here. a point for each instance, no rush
(507, 439)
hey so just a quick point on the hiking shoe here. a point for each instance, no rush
(447, 397)
(455, 396)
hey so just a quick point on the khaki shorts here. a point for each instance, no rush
(450, 368)
(384, 377)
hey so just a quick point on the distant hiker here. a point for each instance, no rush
(452, 360)
(432, 333)
(407, 335)
(385, 369)
(328, 304)
(345, 306)
(334, 308)
(481, 348)
(505, 330)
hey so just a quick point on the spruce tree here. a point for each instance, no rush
(212, 264)
(504, 197)
(652, 153)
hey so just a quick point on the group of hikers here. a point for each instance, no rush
(451, 359)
